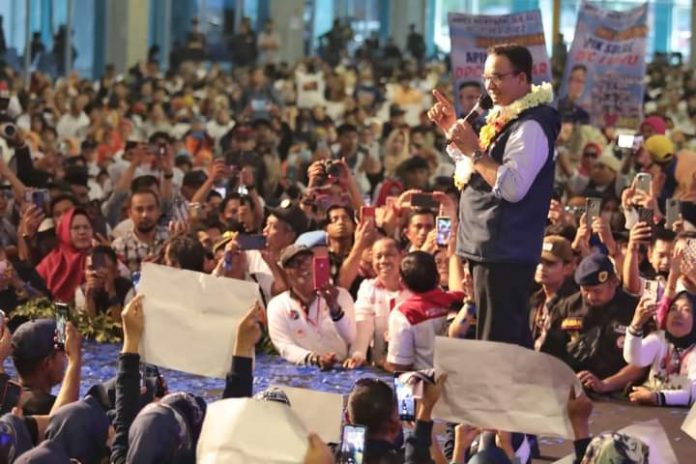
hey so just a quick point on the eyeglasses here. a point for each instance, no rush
(496, 78)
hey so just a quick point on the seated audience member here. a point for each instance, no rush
(372, 404)
(147, 237)
(420, 223)
(554, 275)
(590, 329)
(376, 299)
(307, 325)
(63, 268)
(104, 290)
(669, 352)
(414, 324)
(41, 365)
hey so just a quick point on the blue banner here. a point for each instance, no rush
(605, 71)
(471, 36)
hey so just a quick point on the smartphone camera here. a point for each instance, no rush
(62, 312)
(444, 230)
(405, 401)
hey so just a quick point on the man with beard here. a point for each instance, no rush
(590, 330)
(146, 238)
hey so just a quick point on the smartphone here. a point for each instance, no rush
(646, 215)
(352, 444)
(161, 150)
(424, 200)
(652, 291)
(643, 181)
(11, 393)
(222, 191)
(98, 261)
(180, 211)
(690, 251)
(322, 271)
(405, 400)
(62, 318)
(367, 212)
(444, 230)
(251, 241)
(593, 208)
(148, 371)
(38, 197)
(673, 210)
(625, 141)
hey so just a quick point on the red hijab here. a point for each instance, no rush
(63, 269)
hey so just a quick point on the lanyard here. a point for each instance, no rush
(673, 360)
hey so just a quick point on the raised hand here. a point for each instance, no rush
(442, 113)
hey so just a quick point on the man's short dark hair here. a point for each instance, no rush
(664, 235)
(419, 272)
(371, 403)
(346, 128)
(348, 210)
(187, 252)
(230, 196)
(62, 197)
(147, 191)
(144, 182)
(579, 67)
(519, 56)
(466, 84)
(104, 250)
(420, 212)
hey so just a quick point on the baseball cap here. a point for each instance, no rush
(556, 248)
(594, 270)
(660, 148)
(34, 340)
(291, 214)
(291, 252)
(273, 394)
(312, 239)
(224, 240)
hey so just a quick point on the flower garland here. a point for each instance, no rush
(498, 118)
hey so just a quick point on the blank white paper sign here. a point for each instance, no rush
(503, 386)
(321, 412)
(250, 431)
(191, 318)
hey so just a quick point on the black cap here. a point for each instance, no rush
(291, 214)
(34, 340)
(594, 270)
(346, 128)
(395, 110)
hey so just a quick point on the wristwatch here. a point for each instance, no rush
(477, 155)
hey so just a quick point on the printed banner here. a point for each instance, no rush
(606, 66)
(471, 35)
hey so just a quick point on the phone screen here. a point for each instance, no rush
(367, 212)
(353, 444)
(625, 141)
(405, 401)
(62, 313)
(593, 208)
(444, 230)
(98, 261)
(322, 271)
(251, 242)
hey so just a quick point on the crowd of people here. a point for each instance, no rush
(332, 188)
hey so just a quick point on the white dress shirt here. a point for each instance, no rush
(297, 334)
(526, 152)
(372, 308)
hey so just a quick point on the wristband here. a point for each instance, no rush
(337, 316)
(635, 332)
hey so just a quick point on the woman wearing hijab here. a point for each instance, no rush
(77, 432)
(670, 351)
(63, 268)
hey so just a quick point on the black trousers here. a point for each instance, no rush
(502, 292)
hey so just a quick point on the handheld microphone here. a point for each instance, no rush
(483, 104)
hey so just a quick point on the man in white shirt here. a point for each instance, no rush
(73, 124)
(307, 325)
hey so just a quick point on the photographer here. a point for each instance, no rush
(103, 291)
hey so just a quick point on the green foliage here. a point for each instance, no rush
(101, 328)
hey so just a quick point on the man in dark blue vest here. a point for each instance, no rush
(507, 192)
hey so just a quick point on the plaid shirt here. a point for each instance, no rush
(132, 252)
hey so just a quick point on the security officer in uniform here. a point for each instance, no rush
(590, 329)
